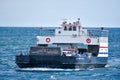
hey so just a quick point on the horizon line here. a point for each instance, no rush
(61, 26)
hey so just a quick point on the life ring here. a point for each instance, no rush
(48, 40)
(88, 40)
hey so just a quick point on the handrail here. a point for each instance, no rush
(22, 53)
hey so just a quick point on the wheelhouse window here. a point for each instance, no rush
(70, 28)
(65, 28)
(74, 28)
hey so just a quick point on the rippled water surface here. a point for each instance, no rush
(14, 39)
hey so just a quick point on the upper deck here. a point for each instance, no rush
(57, 32)
(72, 33)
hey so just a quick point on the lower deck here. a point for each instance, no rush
(57, 61)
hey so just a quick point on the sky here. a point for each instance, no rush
(39, 13)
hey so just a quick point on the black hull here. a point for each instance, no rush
(64, 66)
(38, 61)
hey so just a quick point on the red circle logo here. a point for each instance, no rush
(48, 40)
(88, 40)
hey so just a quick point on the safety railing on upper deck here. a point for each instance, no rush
(90, 32)
(47, 32)
(97, 33)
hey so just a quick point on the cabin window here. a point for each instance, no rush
(65, 28)
(70, 28)
(74, 28)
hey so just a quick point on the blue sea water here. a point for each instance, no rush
(14, 39)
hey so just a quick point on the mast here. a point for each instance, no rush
(79, 26)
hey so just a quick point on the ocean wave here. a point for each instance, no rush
(113, 63)
(46, 69)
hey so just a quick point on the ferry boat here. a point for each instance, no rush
(68, 47)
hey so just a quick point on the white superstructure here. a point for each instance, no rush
(73, 33)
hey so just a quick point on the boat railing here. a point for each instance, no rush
(22, 53)
(90, 33)
(97, 33)
(47, 32)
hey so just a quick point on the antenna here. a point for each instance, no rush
(78, 20)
